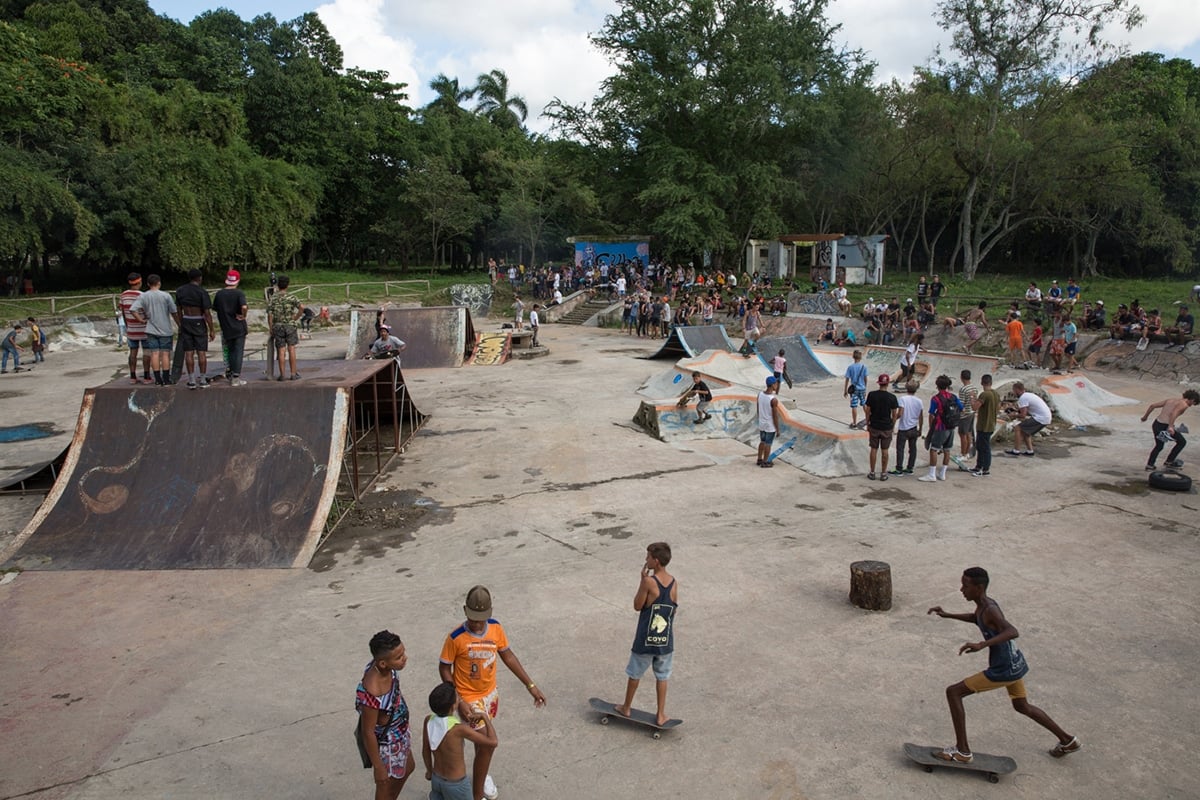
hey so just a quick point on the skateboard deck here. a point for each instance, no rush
(636, 716)
(788, 445)
(992, 766)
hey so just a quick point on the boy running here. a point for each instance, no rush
(1006, 667)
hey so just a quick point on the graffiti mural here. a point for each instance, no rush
(612, 254)
(492, 349)
(812, 304)
(475, 296)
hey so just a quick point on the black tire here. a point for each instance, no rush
(1170, 481)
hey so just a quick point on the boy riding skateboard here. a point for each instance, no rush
(654, 643)
(1006, 667)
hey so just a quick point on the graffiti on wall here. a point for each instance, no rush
(475, 296)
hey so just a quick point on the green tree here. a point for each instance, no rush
(496, 103)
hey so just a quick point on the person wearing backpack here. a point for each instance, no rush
(945, 412)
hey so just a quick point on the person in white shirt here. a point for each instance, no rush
(1034, 415)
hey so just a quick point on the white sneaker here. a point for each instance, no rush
(489, 788)
(941, 476)
(927, 478)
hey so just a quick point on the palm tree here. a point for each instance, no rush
(450, 96)
(496, 104)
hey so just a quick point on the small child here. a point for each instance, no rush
(1035, 342)
(442, 749)
(779, 365)
(383, 716)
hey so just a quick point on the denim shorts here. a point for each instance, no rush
(766, 437)
(640, 662)
(161, 344)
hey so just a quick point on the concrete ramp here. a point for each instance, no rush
(439, 336)
(812, 443)
(253, 476)
(802, 364)
(1075, 399)
(721, 369)
(491, 349)
(930, 363)
(692, 340)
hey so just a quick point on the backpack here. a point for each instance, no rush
(950, 412)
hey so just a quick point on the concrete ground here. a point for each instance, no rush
(530, 478)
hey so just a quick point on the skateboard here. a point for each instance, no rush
(270, 367)
(992, 766)
(788, 445)
(637, 716)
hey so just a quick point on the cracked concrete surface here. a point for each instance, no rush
(527, 478)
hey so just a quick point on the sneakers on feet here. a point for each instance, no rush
(908, 472)
(897, 472)
(203, 383)
(928, 478)
(1175, 464)
(941, 476)
(979, 473)
(1059, 750)
(953, 754)
(237, 382)
(1026, 452)
(1152, 468)
(489, 788)
(1012, 452)
(191, 384)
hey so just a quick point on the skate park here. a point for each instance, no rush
(535, 480)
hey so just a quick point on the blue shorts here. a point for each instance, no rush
(162, 344)
(766, 437)
(135, 344)
(941, 441)
(640, 662)
(858, 397)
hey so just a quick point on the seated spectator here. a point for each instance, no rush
(1054, 297)
(1178, 333)
(868, 309)
(927, 315)
(1153, 326)
(909, 310)
(1073, 291)
(1033, 297)
(830, 332)
(1123, 324)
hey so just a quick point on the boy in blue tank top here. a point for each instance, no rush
(1006, 667)
(654, 643)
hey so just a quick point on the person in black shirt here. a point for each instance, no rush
(195, 327)
(700, 389)
(936, 290)
(1185, 323)
(882, 410)
(230, 305)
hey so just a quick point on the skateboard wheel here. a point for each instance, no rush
(656, 735)
(604, 720)
(993, 777)
(928, 768)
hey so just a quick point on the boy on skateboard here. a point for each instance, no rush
(656, 600)
(1006, 667)
(442, 749)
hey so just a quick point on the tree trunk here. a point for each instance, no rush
(871, 585)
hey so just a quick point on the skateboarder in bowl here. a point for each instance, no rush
(656, 601)
(1006, 667)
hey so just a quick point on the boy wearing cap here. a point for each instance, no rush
(230, 305)
(768, 420)
(656, 601)
(881, 412)
(386, 346)
(468, 660)
(135, 330)
(11, 348)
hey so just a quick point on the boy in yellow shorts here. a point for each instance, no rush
(1006, 667)
(468, 661)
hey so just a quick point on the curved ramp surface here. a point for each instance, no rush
(930, 363)
(692, 340)
(439, 336)
(1075, 398)
(802, 364)
(166, 478)
(811, 442)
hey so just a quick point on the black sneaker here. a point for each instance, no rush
(979, 473)
(1174, 464)
(191, 384)
(1152, 468)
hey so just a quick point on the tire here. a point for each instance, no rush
(1170, 481)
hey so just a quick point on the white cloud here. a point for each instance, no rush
(542, 45)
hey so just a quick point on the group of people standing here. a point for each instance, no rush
(11, 347)
(151, 317)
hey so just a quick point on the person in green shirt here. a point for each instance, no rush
(987, 406)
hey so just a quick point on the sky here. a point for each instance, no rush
(543, 47)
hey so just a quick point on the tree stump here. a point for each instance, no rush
(871, 585)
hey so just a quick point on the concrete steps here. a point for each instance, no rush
(584, 311)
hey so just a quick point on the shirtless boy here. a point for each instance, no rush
(442, 748)
(1006, 667)
(1171, 409)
